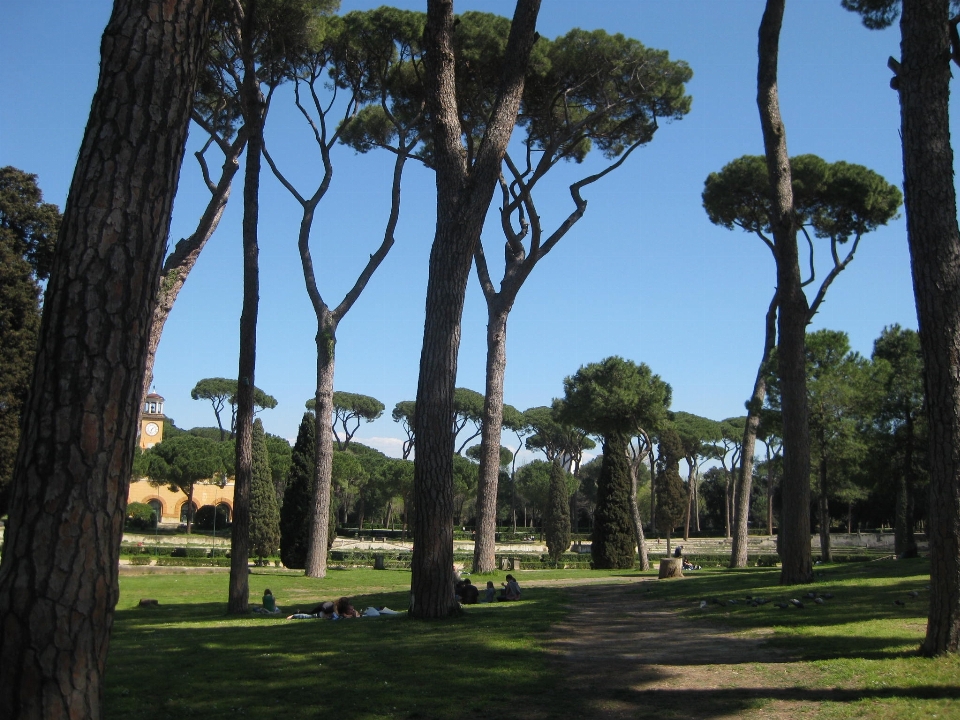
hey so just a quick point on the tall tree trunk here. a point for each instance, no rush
(316, 562)
(769, 492)
(653, 491)
(794, 541)
(741, 510)
(463, 197)
(691, 466)
(931, 206)
(637, 521)
(254, 107)
(178, 265)
(696, 500)
(485, 546)
(823, 506)
(727, 503)
(58, 574)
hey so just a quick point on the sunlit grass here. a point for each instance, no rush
(852, 656)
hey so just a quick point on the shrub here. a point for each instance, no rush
(189, 552)
(204, 518)
(140, 560)
(140, 516)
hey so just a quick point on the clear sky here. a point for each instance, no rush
(643, 275)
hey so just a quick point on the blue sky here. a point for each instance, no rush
(643, 275)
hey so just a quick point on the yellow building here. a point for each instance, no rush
(171, 506)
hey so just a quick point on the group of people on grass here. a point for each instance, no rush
(687, 565)
(327, 610)
(467, 593)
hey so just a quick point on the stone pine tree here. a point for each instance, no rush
(58, 573)
(793, 315)
(597, 93)
(466, 177)
(28, 231)
(253, 38)
(264, 515)
(671, 497)
(348, 65)
(298, 497)
(929, 41)
(557, 517)
(612, 399)
(836, 203)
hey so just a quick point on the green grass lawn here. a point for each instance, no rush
(854, 655)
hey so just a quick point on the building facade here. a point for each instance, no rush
(171, 506)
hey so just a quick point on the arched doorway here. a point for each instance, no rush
(157, 508)
(187, 512)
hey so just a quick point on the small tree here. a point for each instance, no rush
(556, 522)
(900, 422)
(222, 392)
(182, 461)
(352, 408)
(403, 414)
(613, 399)
(264, 515)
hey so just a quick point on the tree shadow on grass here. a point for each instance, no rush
(709, 703)
(193, 660)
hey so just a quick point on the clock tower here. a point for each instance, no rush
(151, 421)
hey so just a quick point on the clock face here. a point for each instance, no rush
(152, 429)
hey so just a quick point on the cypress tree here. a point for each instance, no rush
(557, 517)
(264, 515)
(298, 497)
(613, 539)
(28, 229)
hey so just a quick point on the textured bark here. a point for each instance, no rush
(316, 564)
(794, 539)
(254, 109)
(489, 474)
(931, 207)
(180, 262)
(58, 576)
(463, 197)
(744, 486)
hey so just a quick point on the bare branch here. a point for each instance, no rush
(813, 272)
(837, 269)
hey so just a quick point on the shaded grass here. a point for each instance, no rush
(853, 656)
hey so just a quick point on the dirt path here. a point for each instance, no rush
(625, 656)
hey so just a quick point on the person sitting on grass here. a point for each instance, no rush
(345, 609)
(269, 603)
(511, 589)
(491, 594)
(469, 593)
